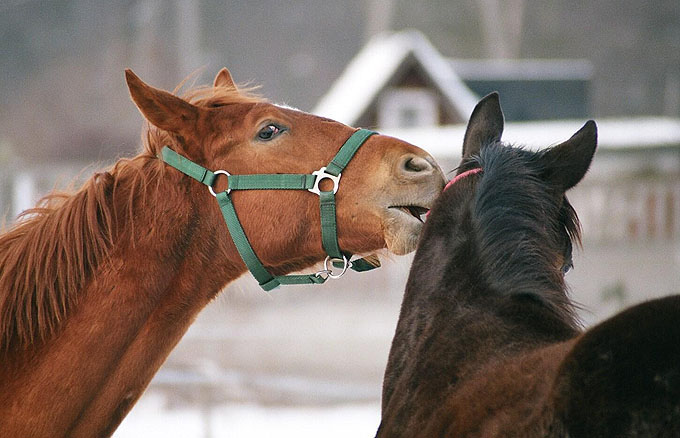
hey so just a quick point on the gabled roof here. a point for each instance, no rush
(373, 67)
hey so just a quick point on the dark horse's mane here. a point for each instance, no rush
(49, 254)
(511, 205)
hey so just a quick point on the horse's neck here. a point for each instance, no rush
(131, 313)
(452, 322)
(166, 245)
(183, 284)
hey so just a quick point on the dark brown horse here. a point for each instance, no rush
(97, 287)
(487, 343)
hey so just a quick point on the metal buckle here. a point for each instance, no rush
(328, 269)
(321, 174)
(217, 172)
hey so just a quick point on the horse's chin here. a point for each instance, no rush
(401, 232)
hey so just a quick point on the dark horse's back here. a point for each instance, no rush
(622, 378)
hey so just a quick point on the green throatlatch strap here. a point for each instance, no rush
(245, 250)
(347, 151)
(241, 241)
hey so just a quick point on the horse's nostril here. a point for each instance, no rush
(416, 164)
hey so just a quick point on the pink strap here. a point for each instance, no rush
(458, 178)
(463, 175)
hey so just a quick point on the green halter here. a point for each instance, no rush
(329, 237)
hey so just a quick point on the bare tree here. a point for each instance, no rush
(502, 22)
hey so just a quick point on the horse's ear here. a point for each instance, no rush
(485, 125)
(224, 79)
(160, 108)
(567, 163)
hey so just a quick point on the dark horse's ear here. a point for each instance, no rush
(160, 108)
(485, 125)
(567, 163)
(224, 79)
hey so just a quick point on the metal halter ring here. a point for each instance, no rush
(217, 172)
(329, 269)
(321, 175)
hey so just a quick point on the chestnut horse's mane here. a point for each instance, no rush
(50, 253)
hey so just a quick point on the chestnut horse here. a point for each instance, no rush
(488, 344)
(97, 287)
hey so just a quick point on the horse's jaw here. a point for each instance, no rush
(402, 230)
(403, 218)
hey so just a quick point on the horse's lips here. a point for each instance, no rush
(403, 225)
(416, 211)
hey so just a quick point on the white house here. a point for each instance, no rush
(401, 80)
(398, 80)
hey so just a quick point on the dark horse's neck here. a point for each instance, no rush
(482, 287)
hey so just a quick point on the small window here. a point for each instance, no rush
(407, 108)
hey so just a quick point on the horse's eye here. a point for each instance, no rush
(269, 132)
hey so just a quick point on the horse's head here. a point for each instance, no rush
(513, 200)
(382, 192)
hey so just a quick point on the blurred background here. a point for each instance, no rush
(309, 361)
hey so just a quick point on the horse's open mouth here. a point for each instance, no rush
(416, 211)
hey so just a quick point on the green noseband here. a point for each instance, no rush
(329, 230)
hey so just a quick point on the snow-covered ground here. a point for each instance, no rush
(151, 419)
